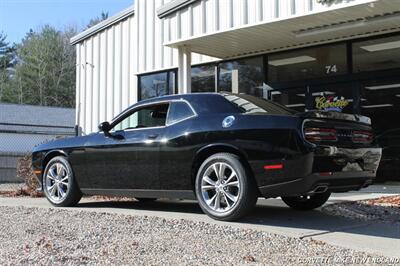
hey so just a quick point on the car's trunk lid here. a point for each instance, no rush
(336, 129)
(336, 116)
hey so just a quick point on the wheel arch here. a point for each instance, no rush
(211, 149)
(46, 159)
(50, 155)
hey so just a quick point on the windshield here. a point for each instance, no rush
(255, 105)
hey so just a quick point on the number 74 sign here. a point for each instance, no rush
(331, 69)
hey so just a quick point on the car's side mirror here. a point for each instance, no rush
(105, 127)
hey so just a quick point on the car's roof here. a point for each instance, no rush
(202, 102)
(186, 96)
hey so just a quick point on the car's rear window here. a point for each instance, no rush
(255, 105)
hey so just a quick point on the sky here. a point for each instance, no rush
(17, 17)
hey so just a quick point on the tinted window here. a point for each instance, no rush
(149, 116)
(294, 98)
(242, 76)
(377, 54)
(203, 78)
(251, 104)
(304, 64)
(155, 85)
(179, 111)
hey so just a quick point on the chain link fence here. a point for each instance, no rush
(14, 149)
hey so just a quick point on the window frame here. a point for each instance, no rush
(129, 112)
(134, 109)
(165, 71)
(183, 119)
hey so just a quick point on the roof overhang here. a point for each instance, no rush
(173, 7)
(103, 25)
(371, 17)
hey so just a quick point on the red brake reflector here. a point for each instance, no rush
(273, 166)
(325, 173)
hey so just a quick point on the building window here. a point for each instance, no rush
(380, 100)
(242, 76)
(294, 98)
(203, 78)
(306, 64)
(159, 84)
(377, 54)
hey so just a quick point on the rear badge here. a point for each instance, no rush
(228, 121)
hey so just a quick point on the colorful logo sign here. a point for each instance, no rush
(331, 103)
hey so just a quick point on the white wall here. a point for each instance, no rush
(209, 16)
(105, 74)
(151, 33)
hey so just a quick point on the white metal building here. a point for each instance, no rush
(158, 47)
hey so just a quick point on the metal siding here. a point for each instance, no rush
(78, 85)
(142, 35)
(269, 9)
(219, 15)
(82, 91)
(117, 69)
(106, 64)
(110, 74)
(96, 82)
(89, 84)
(158, 39)
(103, 77)
(132, 62)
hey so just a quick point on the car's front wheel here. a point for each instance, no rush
(59, 184)
(307, 202)
(224, 188)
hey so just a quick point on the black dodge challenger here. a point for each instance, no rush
(225, 150)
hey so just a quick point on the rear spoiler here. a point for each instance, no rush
(336, 115)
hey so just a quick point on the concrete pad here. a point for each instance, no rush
(383, 239)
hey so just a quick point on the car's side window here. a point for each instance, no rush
(149, 116)
(178, 112)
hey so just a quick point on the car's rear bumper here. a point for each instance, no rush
(319, 182)
(327, 168)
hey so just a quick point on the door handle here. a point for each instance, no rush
(152, 136)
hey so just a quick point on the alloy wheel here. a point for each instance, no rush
(220, 187)
(57, 182)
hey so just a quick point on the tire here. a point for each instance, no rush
(237, 190)
(306, 203)
(54, 183)
(144, 200)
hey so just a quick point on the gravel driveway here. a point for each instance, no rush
(67, 237)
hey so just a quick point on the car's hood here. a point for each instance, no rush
(62, 143)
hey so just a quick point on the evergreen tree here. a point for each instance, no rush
(7, 60)
(94, 21)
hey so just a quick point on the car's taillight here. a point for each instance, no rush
(320, 134)
(360, 136)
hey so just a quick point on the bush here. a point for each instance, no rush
(25, 173)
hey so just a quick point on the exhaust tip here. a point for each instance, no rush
(319, 189)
